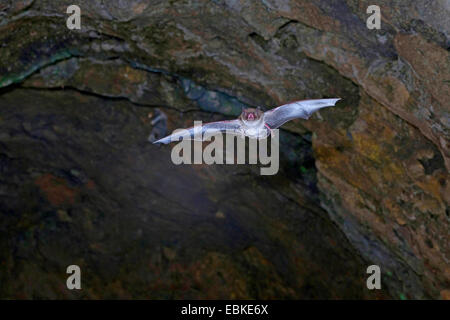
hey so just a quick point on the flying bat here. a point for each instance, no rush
(253, 122)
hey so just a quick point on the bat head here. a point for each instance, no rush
(251, 114)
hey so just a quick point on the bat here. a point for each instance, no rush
(253, 122)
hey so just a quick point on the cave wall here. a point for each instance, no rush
(382, 154)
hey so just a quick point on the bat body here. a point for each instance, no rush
(253, 122)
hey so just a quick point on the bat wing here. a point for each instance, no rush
(299, 109)
(203, 131)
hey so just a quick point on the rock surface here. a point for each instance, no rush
(79, 179)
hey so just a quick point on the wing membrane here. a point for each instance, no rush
(298, 109)
(203, 131)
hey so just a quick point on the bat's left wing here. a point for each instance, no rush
(203, 131)
(299, 109)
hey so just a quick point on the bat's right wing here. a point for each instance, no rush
(204, 131)
(299, 109)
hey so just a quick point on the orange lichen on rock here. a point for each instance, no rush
(55, 189)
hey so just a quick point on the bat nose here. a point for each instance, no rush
(251, 116)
